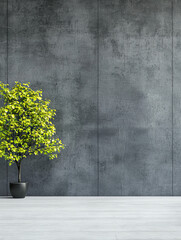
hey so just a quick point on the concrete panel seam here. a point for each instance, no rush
(98, 6)
(7, 69)
(172, 95)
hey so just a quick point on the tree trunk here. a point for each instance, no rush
(19, 173)
(19, 170)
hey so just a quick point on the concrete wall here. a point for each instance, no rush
(3, 78)
(112, 69)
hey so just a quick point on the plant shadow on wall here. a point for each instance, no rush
(26, 129)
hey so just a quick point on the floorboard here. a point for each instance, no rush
(90, 218)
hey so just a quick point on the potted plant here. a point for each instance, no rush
(26, 129)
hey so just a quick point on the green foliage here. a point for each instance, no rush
(26, 126)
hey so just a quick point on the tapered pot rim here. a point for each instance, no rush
(19, 183)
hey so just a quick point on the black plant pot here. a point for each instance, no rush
(18, 190)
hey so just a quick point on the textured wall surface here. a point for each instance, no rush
(3, 78)
(52, 44)
(135, 97)
(112, 70)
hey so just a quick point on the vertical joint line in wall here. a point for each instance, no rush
(172, 101)
(7, 42)
(98, 97)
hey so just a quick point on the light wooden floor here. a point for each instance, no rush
(95, 218)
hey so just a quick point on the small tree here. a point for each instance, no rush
(26, 126)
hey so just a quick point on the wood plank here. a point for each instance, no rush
(90, 218)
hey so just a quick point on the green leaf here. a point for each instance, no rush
(26, 126)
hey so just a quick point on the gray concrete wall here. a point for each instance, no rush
(112, 71)
(3, 78)
(53, 44)
(135, 97)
